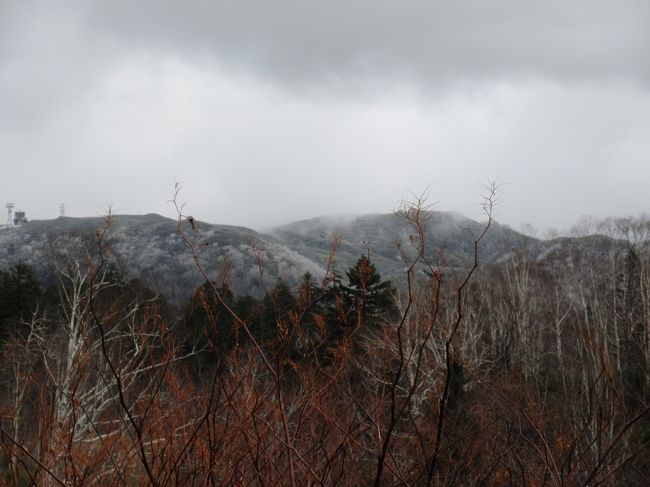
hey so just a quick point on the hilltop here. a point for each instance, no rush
(149, 247)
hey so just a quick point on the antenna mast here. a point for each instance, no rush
(62, 210)
(10, 207)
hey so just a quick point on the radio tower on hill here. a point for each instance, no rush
(62, 210)
(10, 207)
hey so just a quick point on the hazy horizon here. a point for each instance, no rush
(268, 113)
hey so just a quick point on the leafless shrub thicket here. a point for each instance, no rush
(522, 373)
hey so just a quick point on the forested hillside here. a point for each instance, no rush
(412, 349)
(148, 247)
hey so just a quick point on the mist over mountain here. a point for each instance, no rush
(449, 239)
(149, 247)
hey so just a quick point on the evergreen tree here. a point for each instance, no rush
(208, 324)
(20, 294)
(367, 293)
(277, 318)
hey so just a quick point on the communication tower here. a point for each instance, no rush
(62, 210)
(10, 207)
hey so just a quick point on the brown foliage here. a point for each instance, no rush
(107, 399)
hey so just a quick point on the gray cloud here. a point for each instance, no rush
(272, 111)
(428, 42)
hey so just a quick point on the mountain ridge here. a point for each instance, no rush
(150, 247)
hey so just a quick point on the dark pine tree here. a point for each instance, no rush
(209, 326)
(366, 296)
(20, 294)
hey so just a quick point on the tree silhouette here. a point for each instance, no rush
(20, 294)
(367, 296)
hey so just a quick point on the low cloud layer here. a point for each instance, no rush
(422, 41)
(267, 112)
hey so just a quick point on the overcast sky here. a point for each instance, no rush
(271, 111)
